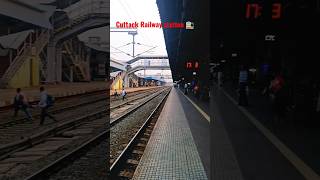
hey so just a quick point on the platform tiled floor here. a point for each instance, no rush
(171, 152)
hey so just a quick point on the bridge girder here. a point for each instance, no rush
(146, 57)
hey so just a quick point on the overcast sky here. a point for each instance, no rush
(136, 11)
(131, 11)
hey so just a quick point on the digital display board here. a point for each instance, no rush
(192, 65)
(257, 10)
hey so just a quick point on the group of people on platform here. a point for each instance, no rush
(200, 92)
(20, 103)
(276, 87)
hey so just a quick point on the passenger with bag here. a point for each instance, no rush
(124, 94)
(46, 101)
(278, 96)
(20, 103)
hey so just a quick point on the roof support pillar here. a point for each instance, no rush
(58, 63)
(51, 65)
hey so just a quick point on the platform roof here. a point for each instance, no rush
(186, 45)
(13, 41)
(20, 15)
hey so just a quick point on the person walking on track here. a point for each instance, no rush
(123, 93)
(46, 101)
(20, 102)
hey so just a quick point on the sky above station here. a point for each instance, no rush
(149, 41)
(135, 11)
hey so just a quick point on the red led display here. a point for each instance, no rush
(196, 65)
(189, 65)
(192, 65)
(254, 10)
(276, 11)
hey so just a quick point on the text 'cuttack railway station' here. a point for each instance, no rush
(150, 24)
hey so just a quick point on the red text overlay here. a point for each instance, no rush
(142, 24)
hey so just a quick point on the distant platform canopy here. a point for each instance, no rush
(152, 78)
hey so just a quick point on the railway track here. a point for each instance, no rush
(65, 131)
(114, 121)
(124, 126)
(67, 161)
(124, 165)
(83, 100)
(58, 99)
(20, 132)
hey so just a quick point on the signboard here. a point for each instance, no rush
(270, 38)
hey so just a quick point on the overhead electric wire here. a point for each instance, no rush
(131, 15)
(121, 51)
(135, 17)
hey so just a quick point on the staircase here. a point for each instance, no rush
(117, 78)
(134, 80)
(88, 16)
(82, 16)
(81, 67)
(25, 51)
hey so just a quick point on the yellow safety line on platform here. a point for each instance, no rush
(205, 115)
(302, 167)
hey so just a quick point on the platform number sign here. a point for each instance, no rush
(256, 10)
(192, 65)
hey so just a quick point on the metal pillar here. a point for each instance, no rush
(58, 63)
(133, 33)
(126, 80)
(133, 43)
(88, 55)
(71, 73)
(51, 64)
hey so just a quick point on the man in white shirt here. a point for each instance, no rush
(43, 104)
(123, 93)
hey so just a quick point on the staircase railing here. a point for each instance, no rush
(118, 77)
(24, 51)
(80, 65)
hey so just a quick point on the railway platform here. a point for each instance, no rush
(252, 148)
(178, 147)
(57, 90)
